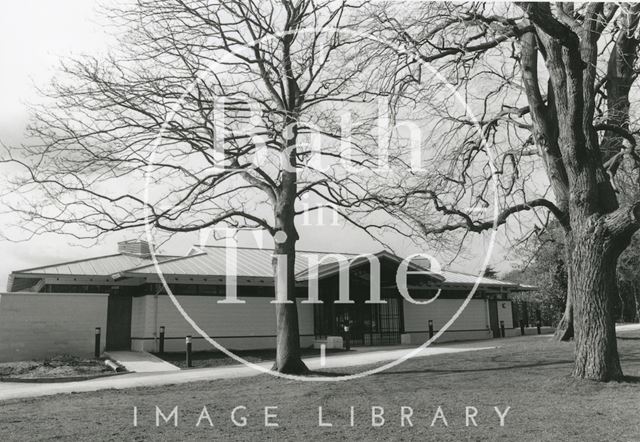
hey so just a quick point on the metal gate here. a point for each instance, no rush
(369, 324)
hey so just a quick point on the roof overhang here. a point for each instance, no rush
(325, 270)
(196, 279)
(525, 288)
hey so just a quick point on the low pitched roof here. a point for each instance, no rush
(333, 267)
(105, 265)
(212, 261)
(467, 279)
(256, 263)
(97, 266)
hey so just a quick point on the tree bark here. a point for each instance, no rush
(288, 357)
(599, 230)
(593, 287)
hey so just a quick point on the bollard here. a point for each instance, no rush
(430, 329)
(347, 338)
(161, 343)
(522, 327)
(502, 328)
(96, 348)
(189, 361)
(538, 326)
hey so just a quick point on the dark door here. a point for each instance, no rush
(369, 324)
(493, 318)
(389, 322)
(119, 322)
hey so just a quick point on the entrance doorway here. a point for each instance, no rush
(493, 318)
(369, 324)
(119, 322)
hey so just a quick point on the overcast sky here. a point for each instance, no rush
(34, 35)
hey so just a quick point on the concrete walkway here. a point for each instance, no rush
(141, 362)
(10, 390)
(627, 327)
(359, 357)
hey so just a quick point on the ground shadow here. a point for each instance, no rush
(214, 358)
(630, 380)
(478, 370)
(325, 374)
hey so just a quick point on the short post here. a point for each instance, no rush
(502, 329)
(430, 329)
(538, 326)
(189, 361)
(96, 348)
(161, 342)
(347, 338)
(522, 327)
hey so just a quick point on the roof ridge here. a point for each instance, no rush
(174, 259)
(204, 252)
(269, 249)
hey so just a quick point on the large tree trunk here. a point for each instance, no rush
(593, 287)
(288, 358)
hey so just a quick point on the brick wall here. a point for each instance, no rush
(38, 325)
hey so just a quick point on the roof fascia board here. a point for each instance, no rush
(209, 280)
(89, 280)
(64, 263)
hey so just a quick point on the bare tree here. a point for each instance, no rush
(568, 125)
(215, 104)
(543, 265)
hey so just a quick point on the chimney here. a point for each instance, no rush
(135, 247)
(425, 263)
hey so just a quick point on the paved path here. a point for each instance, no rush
(10, 390)
(359, 357)
(627, 327)
(141, 362)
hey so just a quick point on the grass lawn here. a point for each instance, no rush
(529, 376)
